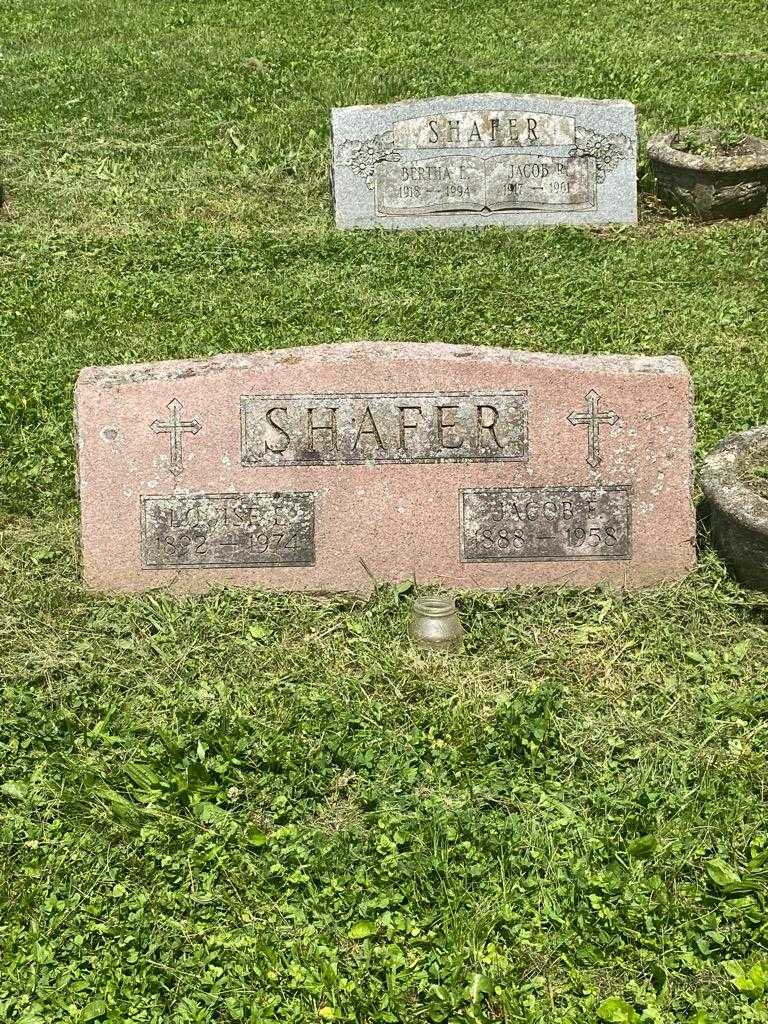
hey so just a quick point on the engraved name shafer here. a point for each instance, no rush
(474, 128)
(405, 427)
(543, 524)
(236, 530)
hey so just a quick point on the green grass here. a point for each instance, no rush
(200, 800)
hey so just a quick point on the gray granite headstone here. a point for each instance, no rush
(481, 159)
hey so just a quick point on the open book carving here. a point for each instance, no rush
(452, 183)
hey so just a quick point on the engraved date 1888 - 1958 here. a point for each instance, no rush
(505, 524)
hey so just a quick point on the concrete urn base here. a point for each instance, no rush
(739, 512)
(729, 185)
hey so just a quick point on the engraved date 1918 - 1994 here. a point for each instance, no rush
(505, 524)
(228, 530)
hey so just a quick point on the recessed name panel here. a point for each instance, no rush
(402, 427)
(544, 524)
(220, 530)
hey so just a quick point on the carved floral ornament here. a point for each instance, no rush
(608, 150)
(362, 155)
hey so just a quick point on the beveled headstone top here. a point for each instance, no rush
(484, 158)
(328, 467)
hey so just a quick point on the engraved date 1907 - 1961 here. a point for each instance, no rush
(505, 524)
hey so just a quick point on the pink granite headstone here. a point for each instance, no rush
(330, 467)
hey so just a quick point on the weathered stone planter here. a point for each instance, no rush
(729, 185)
(739, 512)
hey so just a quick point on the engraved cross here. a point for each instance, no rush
(592, 420)
(175, 427)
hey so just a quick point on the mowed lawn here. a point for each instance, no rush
(269, 808)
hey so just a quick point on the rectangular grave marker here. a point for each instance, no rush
(460, 161)
(317, 469)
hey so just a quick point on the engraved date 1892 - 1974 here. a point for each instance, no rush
(221, 530)
(505, 524)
